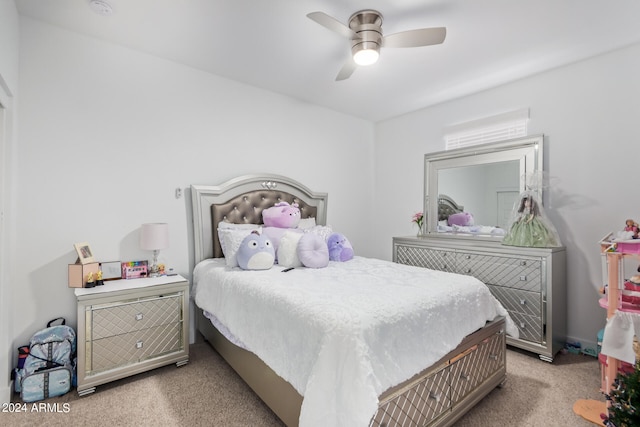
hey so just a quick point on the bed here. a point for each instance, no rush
(373, 371)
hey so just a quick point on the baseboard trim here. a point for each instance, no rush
(6, 393)
(593, 345)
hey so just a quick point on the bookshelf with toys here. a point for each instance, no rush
(620, 349)
(622, 301)
(618, 346)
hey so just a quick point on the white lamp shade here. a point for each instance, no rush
(154, 236)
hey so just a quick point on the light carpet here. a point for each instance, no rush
(207, 392)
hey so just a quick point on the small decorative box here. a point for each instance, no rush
(78, 273)
(134, 269)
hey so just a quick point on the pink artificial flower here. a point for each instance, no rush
(417, 218)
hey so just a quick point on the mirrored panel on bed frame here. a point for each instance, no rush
(484, 180)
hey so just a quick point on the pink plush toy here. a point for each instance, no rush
(281, 215)
(463, 219)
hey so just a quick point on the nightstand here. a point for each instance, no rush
(130, 326)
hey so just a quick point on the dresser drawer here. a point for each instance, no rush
(133, 347)
(503, 271)
(515, 300)
(433, 259)
(116, 319)
(530, 327)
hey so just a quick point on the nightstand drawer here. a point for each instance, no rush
(119, 350)
(116, 319)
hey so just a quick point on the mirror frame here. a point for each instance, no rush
(528, 151)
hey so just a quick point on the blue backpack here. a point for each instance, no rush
(49, 368)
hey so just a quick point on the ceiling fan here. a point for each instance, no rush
(365, 32)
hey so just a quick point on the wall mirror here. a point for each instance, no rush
(484, 180)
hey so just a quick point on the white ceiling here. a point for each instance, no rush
(271, 44)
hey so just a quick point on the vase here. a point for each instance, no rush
(420, 232)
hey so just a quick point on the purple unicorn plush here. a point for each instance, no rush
(281, 215)
(462, 219)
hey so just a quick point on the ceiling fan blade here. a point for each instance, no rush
(332, 24)
(347, 69)
(416, 38)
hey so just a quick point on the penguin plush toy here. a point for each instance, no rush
(256, 252)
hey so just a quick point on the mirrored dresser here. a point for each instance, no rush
(529, 282)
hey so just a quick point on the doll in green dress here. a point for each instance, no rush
(530, 227)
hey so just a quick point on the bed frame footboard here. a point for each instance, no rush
(438, 396)
(444, 392)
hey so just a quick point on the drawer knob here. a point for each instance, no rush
(464, 376)
(523, 278)
(522, 325)
(435, 396)
(139, 316)
(523, 262)
(468, 257)
(139, 344)
(469, 270)
(493, 356)
(523, 302)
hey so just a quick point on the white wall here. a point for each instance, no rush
(8, 45)
(107, 135)
(588, 112)
(8, 91)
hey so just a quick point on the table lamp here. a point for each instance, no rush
(153, 237)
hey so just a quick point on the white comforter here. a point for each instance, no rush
(342, 335)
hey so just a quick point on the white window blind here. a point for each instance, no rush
(489, 129)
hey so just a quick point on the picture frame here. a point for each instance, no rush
(111, 270)
(85, 255)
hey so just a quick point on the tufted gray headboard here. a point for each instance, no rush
(247, 209)
(447, 206)
(241, 201)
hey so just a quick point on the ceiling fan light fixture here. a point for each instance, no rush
(364, 30)
(366, 57)
(365, 53)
